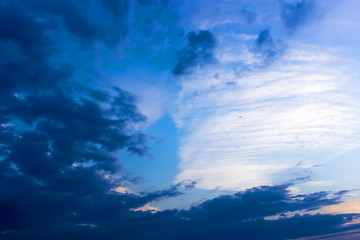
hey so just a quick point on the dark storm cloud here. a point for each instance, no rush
(242, 216)
(94, 215)
(80, 130)
(296, 13)
(198, 52)
(25, 46)
(59, 136)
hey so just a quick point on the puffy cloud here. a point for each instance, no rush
(266, 48)
(145, 208)
(198, 52)
(296, 13)
(59, 135)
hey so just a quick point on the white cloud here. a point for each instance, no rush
(122, 190)
(239, 129)
(146, 208)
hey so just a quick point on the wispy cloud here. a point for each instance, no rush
(240, 128)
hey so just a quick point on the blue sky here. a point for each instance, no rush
(161, 119)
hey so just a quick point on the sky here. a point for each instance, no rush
(164, 119)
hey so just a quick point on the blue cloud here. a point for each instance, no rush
(94, 215)
(154, 33)
(296, 13)
(250, 17)
(101, 20)
(198, 52)
(58, 135)
(153, 2)
(266, 47)
(264, 38)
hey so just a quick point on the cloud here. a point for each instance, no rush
(98, 21)
(244, 134)
(351, 206)
(264, 38)
(153, 2)
(145, 208)
(122, 190)
(296, 13)
(60, 132)
(266, 48)
(249, 16)
(109, 216)
(198, 52)
(346, 235)
(243, 215)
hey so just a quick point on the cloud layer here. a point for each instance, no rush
(267, 111)
(95, 215)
